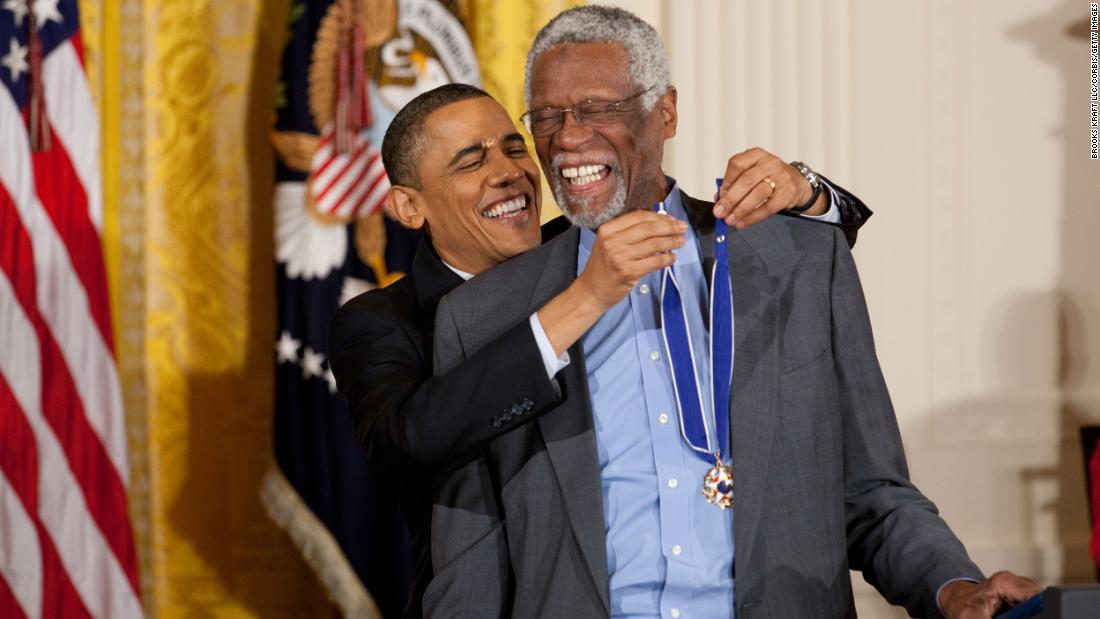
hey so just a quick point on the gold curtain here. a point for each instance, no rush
(185, 89)
(502, 31)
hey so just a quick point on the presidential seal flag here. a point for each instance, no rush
(66, 545)
(348, 66)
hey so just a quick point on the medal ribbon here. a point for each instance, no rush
(704, 430)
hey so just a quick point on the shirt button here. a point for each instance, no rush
(663, 418)
(674, 613)
(654, 355)
(644, 289)
(673, 483)
(676, 550)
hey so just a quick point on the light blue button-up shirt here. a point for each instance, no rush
(669, 553)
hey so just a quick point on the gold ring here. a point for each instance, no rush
(768, 180)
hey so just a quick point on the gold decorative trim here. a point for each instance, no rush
(317, 546)
(115, 55)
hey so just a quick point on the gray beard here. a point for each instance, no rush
(577, 211)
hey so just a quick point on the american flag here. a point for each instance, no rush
(66, 546)
(351, 184)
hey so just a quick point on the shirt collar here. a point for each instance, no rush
(463, 274)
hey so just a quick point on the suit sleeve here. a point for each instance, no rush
(402, 414)
(853, 212)
(895, 535)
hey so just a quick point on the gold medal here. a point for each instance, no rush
(718, 484)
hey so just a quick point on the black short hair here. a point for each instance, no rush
(404, 142)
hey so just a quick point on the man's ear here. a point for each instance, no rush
(667, 105)
(405, 205)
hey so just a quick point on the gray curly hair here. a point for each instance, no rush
(648, 64)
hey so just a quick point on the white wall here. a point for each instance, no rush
(963, 125)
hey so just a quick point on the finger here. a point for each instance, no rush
(769, 208)
(617, 223)
(654, 262)
(652, 246)
(737, 164)
(764, 164)
(662, 226)
(735, 168)
(621, 257)
(616, 232)
(1013, 588)
(669, 227)
(761, 197)
(988, 599)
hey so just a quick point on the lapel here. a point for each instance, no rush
(755, 368)
(569, 433)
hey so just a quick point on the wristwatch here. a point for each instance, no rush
(815, 184)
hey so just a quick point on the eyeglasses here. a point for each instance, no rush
(594, 113)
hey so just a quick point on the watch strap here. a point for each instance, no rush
(815, 184)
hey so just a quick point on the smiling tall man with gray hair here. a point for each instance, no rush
(647, 68)
(729, 410)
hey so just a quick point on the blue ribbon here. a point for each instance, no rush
(705, 431)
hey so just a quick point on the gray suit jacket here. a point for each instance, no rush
(821, 483)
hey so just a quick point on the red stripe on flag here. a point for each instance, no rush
(325, 139)
(103, 490)
(78, 46)
(367, 169)
(20, 467)
(9, 606)
(62, 196)
(368, 193)
(351, 158)
(16, 256)
(316, 174)
(60, 597)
